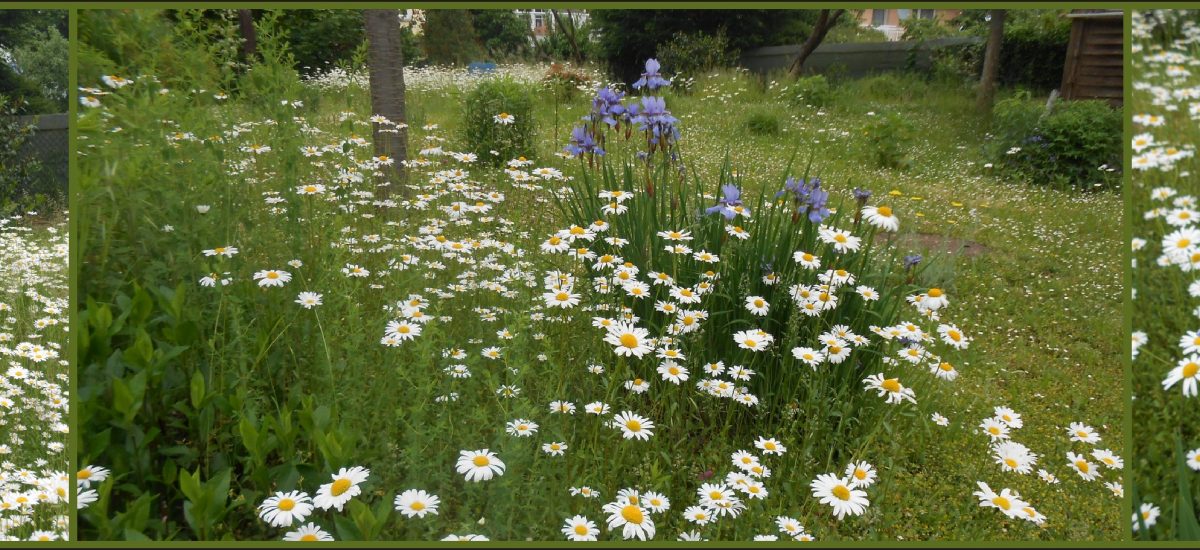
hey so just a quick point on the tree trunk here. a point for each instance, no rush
(991, 64)
(825, 21)
(249, 35)
(385, 63)
(570, 34)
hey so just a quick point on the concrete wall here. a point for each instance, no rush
(856, 59)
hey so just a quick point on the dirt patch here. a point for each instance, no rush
(921, 242)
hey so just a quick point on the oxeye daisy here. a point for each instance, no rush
(580, 529)
(891, 388)
(628, 340)
(416, 502)
(309, 299)
(1083, 433)
(479, 465)
(634, 426)
(881, 217)
(757, 305)
(283, 509)
(860, 474)
(770, 446)
(1080, 464)
(840, 495)
(1006, 501)
(272, 277)
(995, 429)
(308, 533)
(1107, 458)
(554, 448)
(343, 487)
(1147, 515)
(633, 520)
(1187, 371)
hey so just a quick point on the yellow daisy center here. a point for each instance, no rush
(309, 537)
(891, 384)
(935, 293)
(1190, 370)
(581, 529)
(884, 211)
(340, 486)
(286, 504)
(629, 340)
(632, 514)
(634, 426)
(480, 461)
(842, 492)
(1002, 503)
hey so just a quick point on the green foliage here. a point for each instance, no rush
(43, 61)
(926, 29)
(502, 34)
(273, 75)
(320, 39)
(1032, 56)
(689, 55)
(811, 90)
(21, 186)
(628, 37)
(888, 140)
(135, 42)
(762, 122)
(449, 37)
(1076, 144)
(564, 81)
(35, 76)
(483, 135)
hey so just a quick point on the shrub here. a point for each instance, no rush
(689, 55)
(811, 90)
(483, 134)
(565, 81)
(887, 137)
(21, 187)
(1076, 144)
(763, 123)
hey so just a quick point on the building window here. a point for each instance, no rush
(903, 15)
(924, 14)
(878, 18)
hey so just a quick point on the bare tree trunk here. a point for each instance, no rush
(570, 34)
(385, 63)
(825, 21)
(991, 64)
(249, 35)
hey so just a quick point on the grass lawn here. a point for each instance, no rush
(219, 395)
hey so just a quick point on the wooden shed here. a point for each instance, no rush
(1095, 63)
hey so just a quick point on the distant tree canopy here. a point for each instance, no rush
(35, 50)
(628, 37)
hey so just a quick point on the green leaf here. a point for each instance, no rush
(197, 388)
(1187, 527)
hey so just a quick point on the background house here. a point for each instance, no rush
(889, 21)
(541, 22)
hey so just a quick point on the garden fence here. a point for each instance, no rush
(50, 144)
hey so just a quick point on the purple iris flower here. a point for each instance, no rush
(650, 79)
(655, 118)
(912, 261)
(808, 197)
(582, 142)
(731, 197)
(607, 107)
